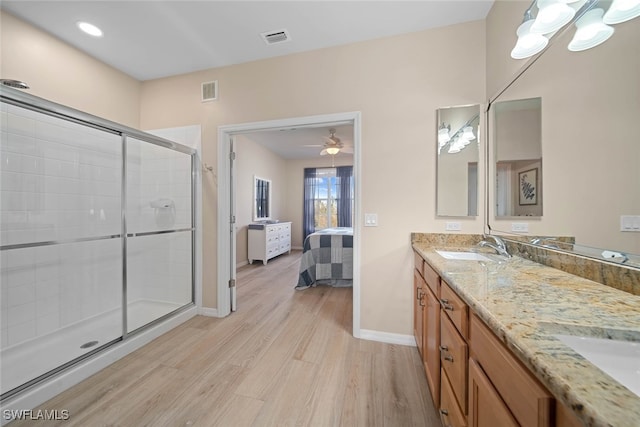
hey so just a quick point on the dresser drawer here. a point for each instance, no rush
(453, 359)
(432, 278)
(450, 412)
(455, 308)
(529, 402)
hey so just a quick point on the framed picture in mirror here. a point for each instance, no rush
(528, 185)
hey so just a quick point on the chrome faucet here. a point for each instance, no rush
(499, 246)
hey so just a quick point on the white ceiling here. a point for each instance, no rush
(153, 39)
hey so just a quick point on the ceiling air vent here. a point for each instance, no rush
(209, 91)
(275, 37)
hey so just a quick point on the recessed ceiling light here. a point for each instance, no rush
(90, 29)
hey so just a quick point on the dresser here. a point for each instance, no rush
(268, 240)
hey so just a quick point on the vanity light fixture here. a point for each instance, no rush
(528, 43)
(467, 134)
(443, 135)
(552, 15)
(333, 150)
(621, 11)
(591, 31)
(90, 29)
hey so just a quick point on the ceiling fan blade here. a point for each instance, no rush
(347, 150)
(323, 152)
(312, 145)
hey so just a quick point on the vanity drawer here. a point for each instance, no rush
(453, 359)
(530, 403)
(450, 413)
(432, 278)
(455, 308)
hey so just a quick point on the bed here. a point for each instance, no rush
(327, 257)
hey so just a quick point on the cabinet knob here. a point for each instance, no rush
(449, 358)
(444, 412)
(448, 307)
(443, 348)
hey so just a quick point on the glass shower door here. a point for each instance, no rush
(60, 243)
(159, 232)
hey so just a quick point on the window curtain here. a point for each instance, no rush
(345, 195)
(309, 210)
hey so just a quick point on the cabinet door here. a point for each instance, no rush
(431, 343)
(486, 408)
(418, 310)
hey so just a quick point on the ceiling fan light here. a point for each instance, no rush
(528, 44)
(333, 150)
(552, 15)
(621, 11)
(591, 31)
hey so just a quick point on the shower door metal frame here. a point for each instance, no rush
(24, 100)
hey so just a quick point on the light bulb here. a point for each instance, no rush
(333, 150)
(90, 29)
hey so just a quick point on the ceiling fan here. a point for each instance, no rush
(333, 145)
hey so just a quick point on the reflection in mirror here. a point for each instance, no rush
(589, 136)
(457, 161)
(262, 199)
(518, 157)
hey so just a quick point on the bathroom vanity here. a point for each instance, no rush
(488, 334)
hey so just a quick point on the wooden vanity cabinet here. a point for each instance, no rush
(473, 377)
(426, 323)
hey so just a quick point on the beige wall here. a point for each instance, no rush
(295, 190)
(61, 73)
(517, 135)
(255, 160)
(397, 83)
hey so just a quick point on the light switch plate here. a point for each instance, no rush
(520, 227)
(453, 226)
(370, 220)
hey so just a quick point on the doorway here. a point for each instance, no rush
(226, 193)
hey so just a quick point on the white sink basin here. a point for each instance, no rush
(619, 359)
(463, 256)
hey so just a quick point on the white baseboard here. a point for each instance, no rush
(209, 312)
(242, 263)
(387, 337)
(297, 248)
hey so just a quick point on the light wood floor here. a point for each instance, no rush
(285, 358)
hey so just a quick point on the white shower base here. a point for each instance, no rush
(30, 359)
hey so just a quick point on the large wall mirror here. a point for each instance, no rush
(262, 199)
(589, 154)
(457, 161)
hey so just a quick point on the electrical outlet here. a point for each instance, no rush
(453, 226)
(370, 220)
(630, 223)
(520, 227)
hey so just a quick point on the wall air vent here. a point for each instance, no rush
(275, 37)
(209, 91)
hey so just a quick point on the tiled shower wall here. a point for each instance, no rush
(62, 181)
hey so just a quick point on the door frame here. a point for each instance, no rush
(225, 133)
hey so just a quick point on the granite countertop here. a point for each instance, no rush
(525, 303)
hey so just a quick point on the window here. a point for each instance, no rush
(328, 195)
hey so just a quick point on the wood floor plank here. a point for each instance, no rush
(285, 358)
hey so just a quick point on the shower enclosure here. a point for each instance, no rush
(97, 236)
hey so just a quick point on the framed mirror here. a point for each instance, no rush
(457, 161)
(518, 157)
(261, 199)
(589, 109)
